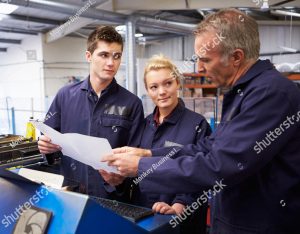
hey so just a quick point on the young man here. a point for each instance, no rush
(251, 163)
(97, 107)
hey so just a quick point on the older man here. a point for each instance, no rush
(253, 157)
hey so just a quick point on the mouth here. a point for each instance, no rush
(110, 71)
(163, 99)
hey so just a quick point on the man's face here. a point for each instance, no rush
(211, 62)
(105, 60)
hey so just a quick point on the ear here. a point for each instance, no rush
(238, 57)
(178, 84)
(88, 56)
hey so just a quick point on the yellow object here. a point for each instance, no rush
(30, 131)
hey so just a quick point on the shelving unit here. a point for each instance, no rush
(293, 76)
(194, 81)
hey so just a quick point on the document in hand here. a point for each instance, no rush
(86, 149)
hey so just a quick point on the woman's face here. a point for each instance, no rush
(162, 87)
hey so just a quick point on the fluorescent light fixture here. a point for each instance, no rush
(289, 13)
(139, 35)
(121, 29)
(289, 49)
(7, 9)
(265, 5)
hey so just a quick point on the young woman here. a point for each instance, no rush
(170, 124)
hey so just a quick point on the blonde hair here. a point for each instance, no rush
(239, 30)
(157, 62)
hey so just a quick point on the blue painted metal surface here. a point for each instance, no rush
(71, 212)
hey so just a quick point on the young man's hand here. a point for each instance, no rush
(46, 147)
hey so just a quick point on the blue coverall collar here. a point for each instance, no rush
(175, 114)
(257, 68)
(86, 86)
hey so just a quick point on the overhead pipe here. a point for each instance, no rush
(171, 26)
(181, 28)
(71, 9)
(131, 77)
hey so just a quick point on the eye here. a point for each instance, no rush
(153, 88)
(168, 84)
(204, 60)
(103, 55)
(117, 56)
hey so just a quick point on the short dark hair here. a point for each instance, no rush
(103, 33)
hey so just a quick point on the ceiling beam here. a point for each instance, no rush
(30, 19)
(68, 9)
(18, 31)
(277, 22)
(10, 41)
(69, 26)
(91, 13)
(279, 53)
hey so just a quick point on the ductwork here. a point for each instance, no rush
(158, 23)
(170, 26)
(68, 9)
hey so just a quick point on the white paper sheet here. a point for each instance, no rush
(86, 149)
(49, 179)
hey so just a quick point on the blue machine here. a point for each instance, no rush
(70, 212)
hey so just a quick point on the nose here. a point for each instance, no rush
(201, 66)
(110, 61)
(161, 90)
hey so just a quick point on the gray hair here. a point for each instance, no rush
(239, 30)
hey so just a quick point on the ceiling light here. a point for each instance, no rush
(121, 29)
(289, 49)
(265, 5)
(6, 8)
(280, 12)
(138, 35)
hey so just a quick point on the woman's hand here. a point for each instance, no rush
(164, 208)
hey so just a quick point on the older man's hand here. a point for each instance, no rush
(131, 151)
(126, 164)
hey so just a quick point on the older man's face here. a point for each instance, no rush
(211, 62)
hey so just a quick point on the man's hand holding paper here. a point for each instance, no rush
(86, 149)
